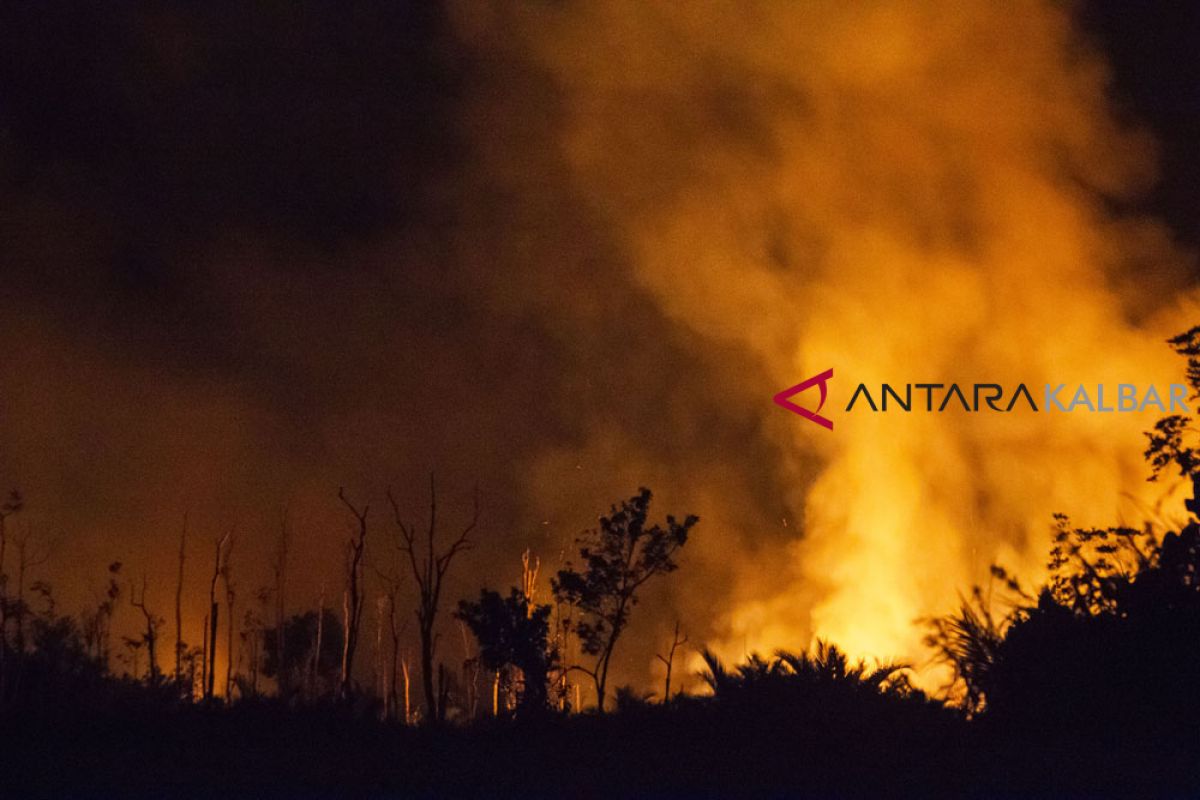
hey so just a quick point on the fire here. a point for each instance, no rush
(908, 191)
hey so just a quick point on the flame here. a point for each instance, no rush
(906, 192)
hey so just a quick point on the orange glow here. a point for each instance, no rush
(909, 193)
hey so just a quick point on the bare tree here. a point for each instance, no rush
(395, 630)
(388, 604)
(253, 631)
(204, 658)
(229, 625)
(29, 555)
(315, 673)
(279, 567)
(408, 718)
(150, 637)
(669, 660)
(471, 669)
(429, 568)
(381, 676)
(210, 669)
(530, 565)
(180, 647)
(352, 597)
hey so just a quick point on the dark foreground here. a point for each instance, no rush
(876, 748)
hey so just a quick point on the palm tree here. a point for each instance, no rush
(826, 666)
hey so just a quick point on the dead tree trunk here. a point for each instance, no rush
(150, 637)
(254, 633)
(429, 568)
(280, 568)
(179, 645)
(669, 660)
(214, 611)
(530, 565)
(203, 660)
(394, 628)
(407, 693)
(29, 555)
(315, 675)
(380, 667)
(471, 669)
(352, 597)
(229, 626)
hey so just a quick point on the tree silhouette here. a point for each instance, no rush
(1111, 640)
(301, 657)
(617, 559)
(220, 569)
(1173, 442)
(352, 596)
(513, 633)
(668, 661)
(150, 635)
(429, 566)
(180, 645)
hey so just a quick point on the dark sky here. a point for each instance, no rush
(155, 131)
(252, 251)
(1156, 68)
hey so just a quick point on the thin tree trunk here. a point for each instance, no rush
(443, 693)
(316, 663)
(281, 559)
(427, 672)
(395, 653)
(179, 604)
(352, 598)
(214, 619)
(255, 655)
(429, 570)
(22, 557)
(380, 669)
(151, 635)
(229, 665)
(214, 614)
(407, 694)
(669, 660)
(204, 660)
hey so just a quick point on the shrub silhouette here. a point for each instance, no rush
(1109, 646)
(513, 633)
(788, 675)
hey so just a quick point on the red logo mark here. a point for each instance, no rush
(784, 398)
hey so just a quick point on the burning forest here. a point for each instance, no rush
(386, 399)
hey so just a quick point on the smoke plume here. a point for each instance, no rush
(564, 250)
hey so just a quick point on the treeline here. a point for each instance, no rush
(1083, 686)
(524, 657)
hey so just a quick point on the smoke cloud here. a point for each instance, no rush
(564, 251)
